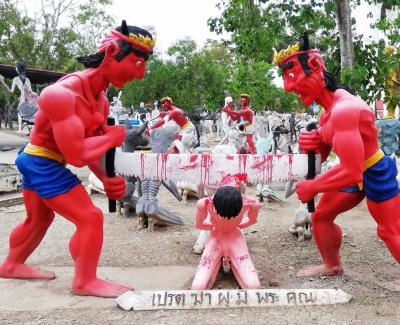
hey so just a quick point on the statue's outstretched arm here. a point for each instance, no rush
(201, 215)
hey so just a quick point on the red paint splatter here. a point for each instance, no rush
(206, 163)
(142, 164)
(270, 166)
(241, 259)
(259, 165)
(193, 163)
(164, 160)
(242, 163)
(206, 261)
(290, 166)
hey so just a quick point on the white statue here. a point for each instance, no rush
(27, 95)
(226, 121)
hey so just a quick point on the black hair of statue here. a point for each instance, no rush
(94, 60)
(303, 59)
(228, 202)
(332, 85)
(125, 48)
(21, 71)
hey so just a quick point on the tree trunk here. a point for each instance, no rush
(343, 17)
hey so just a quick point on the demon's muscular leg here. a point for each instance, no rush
(24, 239)
(327, 234)
(387, 216)
(85, 245)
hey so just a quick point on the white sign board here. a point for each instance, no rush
(193, 299)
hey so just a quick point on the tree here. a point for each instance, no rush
(343, 18)
(17, 34)
(192, 78)
(50, 38)
(257, 27)
(53, 34)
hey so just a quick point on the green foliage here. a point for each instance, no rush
(259, 26)
(192, 78)
(16, 34)
(42, 42)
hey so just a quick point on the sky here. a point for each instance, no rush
(172, 19)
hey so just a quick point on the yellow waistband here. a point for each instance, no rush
(186, 125)
(33, 150)
(375, 158)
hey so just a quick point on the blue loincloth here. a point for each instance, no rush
(379, 181)
(47, 177)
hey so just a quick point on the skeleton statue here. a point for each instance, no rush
(133, 138)
(301, 226)
(146, 207)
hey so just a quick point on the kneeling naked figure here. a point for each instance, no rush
(226, 242)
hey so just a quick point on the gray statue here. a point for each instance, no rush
(146, 204)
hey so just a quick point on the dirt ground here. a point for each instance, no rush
(163, 260)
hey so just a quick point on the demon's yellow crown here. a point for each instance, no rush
(144, 40)
(282, 55)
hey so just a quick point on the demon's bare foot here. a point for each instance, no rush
(322, 269)
(23, 271)
(99, 288)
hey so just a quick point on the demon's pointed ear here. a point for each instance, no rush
(124, 28)
(314, 64)
(305, 45)
(111, 51)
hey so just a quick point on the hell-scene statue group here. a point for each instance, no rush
(71, 128)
